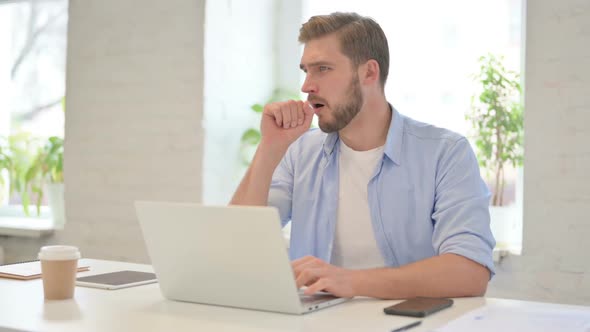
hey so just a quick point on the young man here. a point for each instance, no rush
(381, 205)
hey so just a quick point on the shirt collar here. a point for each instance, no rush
(393, 143)
(330, 143)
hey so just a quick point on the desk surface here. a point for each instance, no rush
(143, 308)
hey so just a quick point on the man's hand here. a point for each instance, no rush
(283, 122)
(318, 275)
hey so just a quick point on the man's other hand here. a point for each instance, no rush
(318, 275)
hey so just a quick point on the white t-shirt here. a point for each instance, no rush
(354, 245)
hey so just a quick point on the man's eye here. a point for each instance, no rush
(323, 68)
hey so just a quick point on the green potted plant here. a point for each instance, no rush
(5, 164)
(36, 170)
(497, 119)
(21, 150)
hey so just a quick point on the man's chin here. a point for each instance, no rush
(327, 127)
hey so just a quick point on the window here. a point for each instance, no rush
(434, 49)
(32, 80)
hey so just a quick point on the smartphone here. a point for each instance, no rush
(418, 307)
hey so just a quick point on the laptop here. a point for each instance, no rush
(232, 256)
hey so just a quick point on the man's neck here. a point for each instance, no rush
(368, 129)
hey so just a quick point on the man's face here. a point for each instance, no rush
(332, 85)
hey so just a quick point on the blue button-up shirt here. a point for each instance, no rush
(426, 196)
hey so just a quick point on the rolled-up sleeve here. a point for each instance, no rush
(461, 213)
(281, 188)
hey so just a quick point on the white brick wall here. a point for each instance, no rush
(554, 265)
(134, 113)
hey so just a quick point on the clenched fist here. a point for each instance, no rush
(283, 122)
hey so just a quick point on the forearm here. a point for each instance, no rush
(254, 188)
(447, 275)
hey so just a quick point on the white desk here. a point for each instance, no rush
(144, 309)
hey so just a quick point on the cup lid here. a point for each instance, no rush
(55, 253)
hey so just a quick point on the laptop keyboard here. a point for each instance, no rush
(308, 300)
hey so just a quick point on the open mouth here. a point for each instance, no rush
(317, 106)
(317, 103)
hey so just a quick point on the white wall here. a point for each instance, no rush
(133, 129)
(554, 265)
(133, 126)
(288, 21)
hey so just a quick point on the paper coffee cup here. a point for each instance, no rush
(59, 265)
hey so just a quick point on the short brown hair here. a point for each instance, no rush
(361, 38)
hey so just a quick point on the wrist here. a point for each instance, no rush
(268, 155)
(358, 282)
(377, 282)
(274, 148)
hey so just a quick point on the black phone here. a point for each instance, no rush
(418, 307)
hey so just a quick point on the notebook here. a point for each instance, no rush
(27, 270)
(117, 280)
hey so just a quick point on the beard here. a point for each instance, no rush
(344, 113)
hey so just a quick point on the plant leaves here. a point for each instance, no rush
(257, 108)
(251, 137)
(496, 117)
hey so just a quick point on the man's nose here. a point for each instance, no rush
(309, 86)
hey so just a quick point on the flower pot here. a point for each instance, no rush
(506, 221)
(500, 220)
(55, 197)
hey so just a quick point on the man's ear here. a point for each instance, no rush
(369, 72)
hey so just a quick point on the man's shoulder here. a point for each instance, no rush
(418, 131)
(427, 144)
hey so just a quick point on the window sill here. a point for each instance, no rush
(500, 252)
(25, 227)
